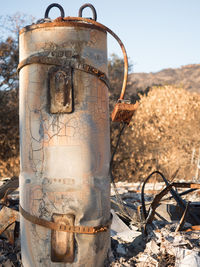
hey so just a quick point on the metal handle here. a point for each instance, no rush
(62, 12)
(103, 27)
(92, 8)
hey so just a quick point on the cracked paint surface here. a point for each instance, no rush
(64, 157)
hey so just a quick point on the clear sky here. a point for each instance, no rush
(157, 34)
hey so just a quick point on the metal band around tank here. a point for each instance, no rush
(64, 228)
(42, 59)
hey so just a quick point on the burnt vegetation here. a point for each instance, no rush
(163, 133)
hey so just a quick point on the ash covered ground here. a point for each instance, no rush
(161, 243)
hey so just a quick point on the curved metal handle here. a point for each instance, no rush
(103, 27)
(62, 12)
(92, 8)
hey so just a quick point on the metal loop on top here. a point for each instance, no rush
(92, 8)
(62, 12)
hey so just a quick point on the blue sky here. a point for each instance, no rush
(157, 34)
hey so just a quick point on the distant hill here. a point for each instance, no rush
(188, 77)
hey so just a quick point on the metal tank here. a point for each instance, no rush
(64, 143)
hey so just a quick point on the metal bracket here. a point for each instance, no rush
(123, 111)
(60, 90)
(62, 243)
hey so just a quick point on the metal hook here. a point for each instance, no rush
(62, 13)
(92, 8)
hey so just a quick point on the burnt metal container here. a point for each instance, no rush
(64, 142)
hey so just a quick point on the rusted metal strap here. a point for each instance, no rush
(158, 197)
(182, 220)
(63, 228)
(42, 59)
(194, 228)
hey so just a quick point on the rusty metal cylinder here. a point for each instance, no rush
(64, 143)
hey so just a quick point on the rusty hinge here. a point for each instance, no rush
(123, 111)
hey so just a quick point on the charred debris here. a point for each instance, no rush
(153, 223)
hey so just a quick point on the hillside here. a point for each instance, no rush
(188, 77)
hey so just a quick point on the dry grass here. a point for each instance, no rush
(162, 135)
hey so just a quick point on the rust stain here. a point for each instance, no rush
(63, 23)
(123, 112)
